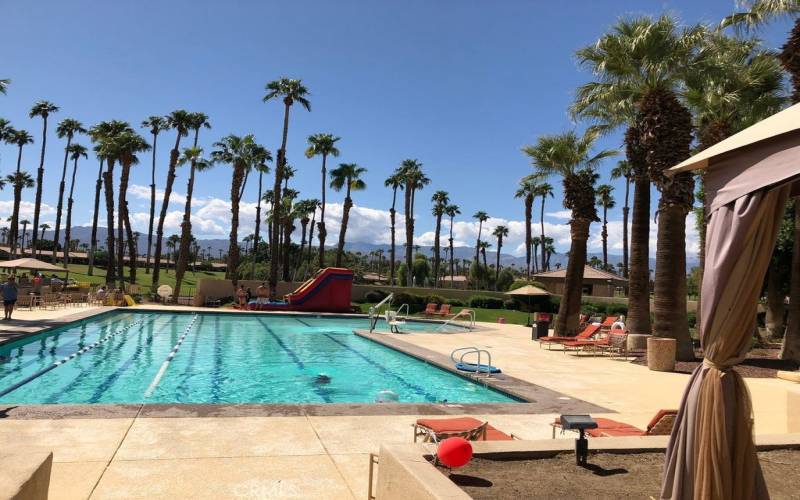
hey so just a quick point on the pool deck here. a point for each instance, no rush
(314, 451)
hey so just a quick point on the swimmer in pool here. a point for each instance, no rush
(322, 379)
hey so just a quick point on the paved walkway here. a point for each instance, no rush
(327, 456)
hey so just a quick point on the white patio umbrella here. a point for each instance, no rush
(32, 264)
(529, 291)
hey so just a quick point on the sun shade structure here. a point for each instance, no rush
(748, 178)
(528, 291)
(29, 263)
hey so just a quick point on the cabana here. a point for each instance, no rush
(748, 178)
(31, 264)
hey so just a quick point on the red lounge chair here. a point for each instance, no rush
(430, 309)
(444, 310)
(660, 425)
(615, 339)
(608, 322)
(585, 335)
(471, 429)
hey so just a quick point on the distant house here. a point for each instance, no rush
(596, 283)
(458, 282)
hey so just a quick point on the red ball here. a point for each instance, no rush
(454, 452)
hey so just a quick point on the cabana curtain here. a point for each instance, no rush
(711, 453)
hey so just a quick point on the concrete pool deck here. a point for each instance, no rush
(177, 451)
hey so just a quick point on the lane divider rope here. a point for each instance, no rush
(74, 355)
(152, 387)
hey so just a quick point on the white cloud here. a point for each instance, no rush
(139, 191)
(560, 214)
(26, 209)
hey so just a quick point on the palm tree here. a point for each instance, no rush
(41, 109)
(19, 138)
(261, 156)
(20, 180)
(536, 241)
(482, 217)
(605, 200)
(155, 124)
(394, 181)
(95, 215)
(313, 212)
(624, 171)
(499, 232)
(128, 145)
(640, 66)
(25, 223)
(570, 156)
(194, 157)
(440, 201)
(76, 151)
(290, 91)
(237, 152)
(43, 227)
(4, 85)
(451, 211)
(68, 127)
(414, 179)
(288, 214)
(304, 209)
(172, 243)
(543, 190)
(323, 145)
(527, 186)
(181, 121)
(482, 246)
(347, 175)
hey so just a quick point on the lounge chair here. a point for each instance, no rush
(608, 322)
(611, 341)
(430, 309)
(585, 335)
(444, 310)
(660, 425)
(471, 429)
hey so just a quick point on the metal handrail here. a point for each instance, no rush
(408, 312)
(374, 311)
(463, 312)
(473, 350)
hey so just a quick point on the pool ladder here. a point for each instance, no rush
(460, 314)
(466, 351)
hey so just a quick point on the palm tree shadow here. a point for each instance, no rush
(602, 472)
(5, 412)
(464, 480)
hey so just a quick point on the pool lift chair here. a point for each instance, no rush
(393, 318)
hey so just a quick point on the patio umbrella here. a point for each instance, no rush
(748, 178)
(32, 264)
(529, 291)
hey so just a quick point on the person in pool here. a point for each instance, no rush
(10, 292)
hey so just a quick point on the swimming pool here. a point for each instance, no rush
(221, 358)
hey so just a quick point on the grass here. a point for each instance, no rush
(481, 314)
(78, 272)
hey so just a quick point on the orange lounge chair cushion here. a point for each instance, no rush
(461, 424)
(661, 424)
(624, 432)
(584, 335)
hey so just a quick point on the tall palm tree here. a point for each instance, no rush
(481, 217)
(76, 151)
(543, 190)
(451, 211)
(323, 145)
(260, 157)
(155, 124)
(624, 171)
(288, 214)
(640, 66)
(68, 127)
(180, 121)
(43, 227)
(414, 179)
(19, 138)
(194, 157)
(128, 145)
(313, 212)
(482, 246)
(440, 201)
(96, 213)
(172, 244)
(289, 91)
(499, 232)
(394, 181)
(348, 176)
(605, 200)
(42, 109)
(237, 152)
(25, 223)
(20, 180)
(527, 186)
(570, 156)
(4, 83)
(535, 242)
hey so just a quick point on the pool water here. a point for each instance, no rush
(222, 358)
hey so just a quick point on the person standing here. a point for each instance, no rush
(10, 292)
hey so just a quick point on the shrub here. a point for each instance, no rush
(511, 304)
(416, 303)
(456, 302)
(617, 309)
(435, 299)
(375, 296)
(485, 302)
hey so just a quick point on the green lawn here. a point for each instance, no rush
(486, 315)
(78, 273)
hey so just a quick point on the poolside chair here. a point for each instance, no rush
(612, 341)
(430, 309)
(444, 310)
(660, 425)
(433, 430)
(585, 335)
(608, 322)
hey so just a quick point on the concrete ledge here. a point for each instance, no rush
(790, 376)
(25, 477)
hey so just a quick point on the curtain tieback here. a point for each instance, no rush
(721, 367)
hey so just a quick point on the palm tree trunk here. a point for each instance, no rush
(452, 270)
(311, 237)
(604, 236)
(322, 232)
(39, 180)
(409, 238)
(68, 228)
(497, 264)
(528, 234)
(60, 205)
(348, 203)
(95, 216)
(173, 162)
(669, 308)
(791, 341)
(108, 182)
(121, 215)
(258, 226)
(392, 216)
(535, 255)
(541, 220)
(131, 245)
(15, 218)
(288, 227)
(774, 320)
(625, 210)
(152, 206)
(186, 235)
(232, 272)
(639, 281)
(276, 203)
(303, 230)
(570, 307)
(436, 251)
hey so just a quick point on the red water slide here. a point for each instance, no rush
(327, 291)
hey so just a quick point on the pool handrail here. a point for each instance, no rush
(374, 311)
(473, 350)
(463, 312)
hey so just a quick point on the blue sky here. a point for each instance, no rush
(460, 85)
